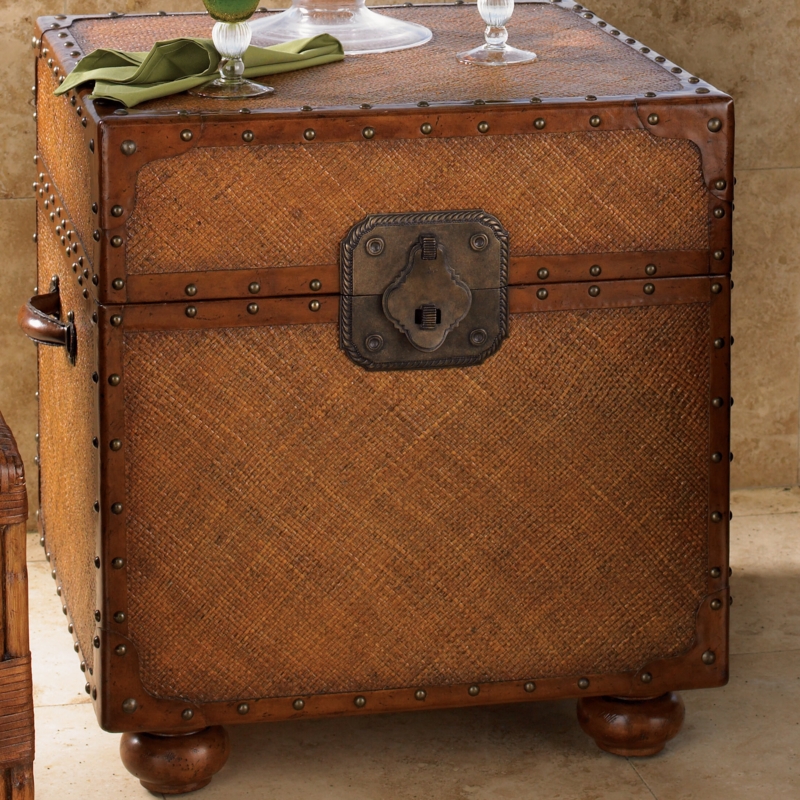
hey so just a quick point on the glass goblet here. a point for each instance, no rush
(358, 28)
(231, 36)
(496, 53)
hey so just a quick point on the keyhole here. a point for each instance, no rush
(428, 316)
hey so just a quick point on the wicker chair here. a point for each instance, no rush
(16, 689)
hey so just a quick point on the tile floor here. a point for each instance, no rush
(742, 741)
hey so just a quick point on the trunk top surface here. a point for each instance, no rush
(580, 56)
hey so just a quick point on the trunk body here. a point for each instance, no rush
(249, 526)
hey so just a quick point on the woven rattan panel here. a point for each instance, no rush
(68, 471)
(298, 525)
(596, 192)
(66, 154)
(575, 59)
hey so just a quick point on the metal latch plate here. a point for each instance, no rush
(424, 290)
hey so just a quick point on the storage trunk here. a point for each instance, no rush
(270, 491)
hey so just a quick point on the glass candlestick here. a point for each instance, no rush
(231, 36)
(359, 29)
(496, 53)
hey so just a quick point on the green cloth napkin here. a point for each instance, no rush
(177, 65)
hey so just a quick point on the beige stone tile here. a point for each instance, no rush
(762, 459)
(741, 46)
(526, 751)
(18, 354)
(148, 6)
(75, 760)
(35, 550)
(57, 679)
(766, 232)
(132, 6)
(765, 556)
(766, 326)
(739, 742)
(754, 502)
(17, 126)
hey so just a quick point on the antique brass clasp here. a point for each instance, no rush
(427, 299)
(424, 290)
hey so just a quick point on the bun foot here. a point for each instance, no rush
(175, 763)
(629, 726)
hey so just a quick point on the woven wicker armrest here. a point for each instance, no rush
(16, 689)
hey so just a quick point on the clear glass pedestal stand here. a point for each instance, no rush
(496, 53)
(231, 40)
(358, 29)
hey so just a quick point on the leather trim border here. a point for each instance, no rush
(290, 281)
(191, 315)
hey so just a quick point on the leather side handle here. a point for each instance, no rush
(39, 321)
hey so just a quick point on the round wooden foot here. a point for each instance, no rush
(631, 727)
(175, 763)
